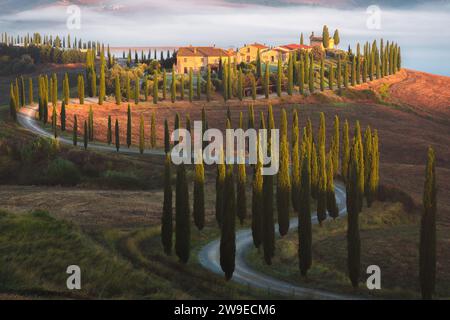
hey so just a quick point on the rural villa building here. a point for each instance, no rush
(318, 41)
(199, 58)
(248, 53)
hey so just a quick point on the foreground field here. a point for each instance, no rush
(124, 219)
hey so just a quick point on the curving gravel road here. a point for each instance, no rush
(209, 258)
(209, 255)
(26, 119)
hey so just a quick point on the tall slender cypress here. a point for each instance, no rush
(283, 179)
(332, 207)
(153, 131)
(129, 126)
(199, 195)
(155, 88)
(228, 234)
(118, 91)
(109, 131)
(117, 134)
(182, 216)
(279, 77)
(75, 131)
(167, 214)
(86, 135)
(166, 137)
(345, 151)
(304, 219)
(220, 184)
(63, 116)
(427, 249)
(257, 203)
(241, 193)
(267, 81)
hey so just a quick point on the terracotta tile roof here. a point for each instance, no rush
(258, 45)
(294, 46)
(202, 52)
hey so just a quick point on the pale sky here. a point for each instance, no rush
(422, 31)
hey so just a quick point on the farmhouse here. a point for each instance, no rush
(248, 53)
(318, 41)
(199, 58)
(288, 48)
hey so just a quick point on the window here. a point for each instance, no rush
(185, 70)
(185, 60)
(272, 58)
(248, 50)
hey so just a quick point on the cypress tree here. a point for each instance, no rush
(182, 216)
(220, 184)
(332, 207)
(66, 89)
(251, 117)
(268, 219)
(336, 37)
(374, 171)
(141, 135)
(63, 116)
(301, 80)
(295, 162)
(164, 85)
(30, 91)
(290, 87)
(173, 91)
(228, 234)
(345, 151)
(314, 172)
(166, 219)
(252, 77)
(166, 137)
(109, 132)
(257, 203)
(346, 75)
(335, 145)
(241, 196)
(136, 91)
(279, 77)
(22, 91)
(304, 219)
(339, 73)
(153, 130)
(311, 75)
(360, 150)
(91, 124)
(331, 77)
(118, 90)
(322, 186)
(129, 126)
(266, 81)
(86, 135)
(199, 195)
(93, 87)
(208, 84)
(258, 65)
(54, 122)
(75, 131)
(176, 127)
(367, 161)
(240, 88)
(145, 81)
(117, 134)
(128, 88)
(353, 239)
(427, 249)
(283, 179)
(81, 89)
(102, 89)
(155, 88)
(191, 85)
(182, 87)
(199, 86)
(322, 75)
(326, 37)
(354, 71)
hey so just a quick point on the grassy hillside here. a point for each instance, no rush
(36, 249)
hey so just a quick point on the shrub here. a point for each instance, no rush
(63, 172)
(39, 149)
(122, 180)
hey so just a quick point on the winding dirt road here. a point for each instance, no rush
(209, 255)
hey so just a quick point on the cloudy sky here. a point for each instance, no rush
(420, 27)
